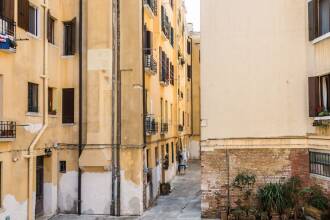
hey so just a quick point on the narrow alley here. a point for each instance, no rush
(183, 202)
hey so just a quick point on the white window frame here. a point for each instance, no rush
(37, 22)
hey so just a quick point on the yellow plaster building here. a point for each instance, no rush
(93, 99)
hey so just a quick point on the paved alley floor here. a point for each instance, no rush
(183, 203)
(184, 200)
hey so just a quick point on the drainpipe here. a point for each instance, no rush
(31, 155)
(80, 145)
(116, 118)
(191, 88)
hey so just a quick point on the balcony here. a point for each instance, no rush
(164, 128)
(180, 128)
(7, 130)
(150, 64)
(151, 126)
(7, 34)
(151, 7)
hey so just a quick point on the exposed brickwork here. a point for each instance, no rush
(269, 165)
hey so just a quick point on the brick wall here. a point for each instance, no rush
(269, 165)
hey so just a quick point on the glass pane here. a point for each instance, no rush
(32, 20)
(324, 16)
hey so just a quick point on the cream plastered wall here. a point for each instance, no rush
(17, 69)
(254, 68)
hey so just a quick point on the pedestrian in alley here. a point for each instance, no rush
(182, 166)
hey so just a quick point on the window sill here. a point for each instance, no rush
(321, 38)
(68, 124)
(68, 56)
(322, 118)
(33, 36)
(33, 114)
(320, 177)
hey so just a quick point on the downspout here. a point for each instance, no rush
(116, 118)
(191, 88)
(80, 145)
(31, 148)
(118, 146)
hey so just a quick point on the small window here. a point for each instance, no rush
(51, 29)
(32, 97)
(51, 101)
(319, 163)
(62, 166)
(68, 106)
(33, 20)
(69, 37)
(148, 158)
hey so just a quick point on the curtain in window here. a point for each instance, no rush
(324, 93)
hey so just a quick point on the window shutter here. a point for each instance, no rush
(73, 35)
(151, 39)
(160, 63)
(48, 26)
(68, 106)
(145, 39)
(23, 14)
(313, 23)
(314, 96)
(8, 8)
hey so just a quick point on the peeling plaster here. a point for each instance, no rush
(96, 193)
(68, 192)
(14, 209)
(33, 128)
(131, 197)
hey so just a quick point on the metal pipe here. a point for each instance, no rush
(31, 155)
(80, 145)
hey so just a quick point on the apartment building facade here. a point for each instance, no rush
(76, 95)
(264, 95)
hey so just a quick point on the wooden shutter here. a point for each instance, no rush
(314, 96)
(160, 63)
(8, 8)
(73, 36)
(313, 21)
(68, 106)
(23, 14)
(49, 27)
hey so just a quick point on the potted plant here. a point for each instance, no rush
(271, 199)
(294, 201)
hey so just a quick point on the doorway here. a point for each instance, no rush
(39, 186)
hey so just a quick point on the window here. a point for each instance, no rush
(23, 14)
(68, 106)
(318, 18)
(148, 158)
(166, 112)
(319, 95)
(157, 156)
(62, 166)
(7, 9)
(2, 7)
(51, 101)
(189, 72)
(51, 29)
(148, 41)
(32, 97)
(70, 37)
(172, 145)
(319, 163)
(33, 20)
(188, 47)
(161, 110)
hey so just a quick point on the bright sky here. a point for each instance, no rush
(193, 13)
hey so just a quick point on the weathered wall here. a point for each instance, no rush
(269, 165)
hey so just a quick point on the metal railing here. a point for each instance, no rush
(150, 63)
(164, 128)
(7, 26)
(152, 4)
(151, 126)
(7, 129)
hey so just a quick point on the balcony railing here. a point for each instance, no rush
(7, 33)
(151, 126)
(150, 63)
(152, 4)
(7, 129)
(164, 128)
(180, 127)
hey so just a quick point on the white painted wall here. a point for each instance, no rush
(50, 199)
(68, 192)
(13, 209)
(96, 193)
(253, 73)
(194, 149)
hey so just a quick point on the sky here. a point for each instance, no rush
(193, 13)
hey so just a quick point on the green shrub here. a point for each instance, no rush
(271, 197)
